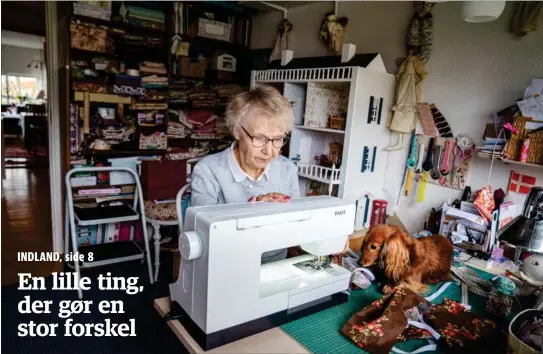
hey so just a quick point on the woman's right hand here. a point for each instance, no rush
(271, 198)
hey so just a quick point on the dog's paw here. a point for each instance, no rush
(387, 289)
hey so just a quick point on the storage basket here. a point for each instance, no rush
(193, 67)
(514, 144)
(535, 152)
(517, 346)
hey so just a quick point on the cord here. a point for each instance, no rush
(174, 314)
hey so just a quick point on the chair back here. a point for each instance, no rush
(180, 206)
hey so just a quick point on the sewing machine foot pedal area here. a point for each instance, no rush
(226, 294)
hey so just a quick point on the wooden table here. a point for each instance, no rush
(271, 341)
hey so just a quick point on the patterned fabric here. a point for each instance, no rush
(461, 330)
(379, 326)
(383, 323)
(162, 212)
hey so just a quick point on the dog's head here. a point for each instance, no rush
(374, 243)
(388, 246)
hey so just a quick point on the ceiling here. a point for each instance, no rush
(24, 17)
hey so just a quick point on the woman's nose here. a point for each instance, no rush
(268, 148)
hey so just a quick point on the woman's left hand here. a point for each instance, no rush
(271, 197)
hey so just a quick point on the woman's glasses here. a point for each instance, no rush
(261, 141)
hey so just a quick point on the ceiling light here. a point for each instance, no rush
(482, 11)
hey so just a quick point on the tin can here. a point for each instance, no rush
(524, 150)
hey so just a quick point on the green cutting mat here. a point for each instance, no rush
(319, 333)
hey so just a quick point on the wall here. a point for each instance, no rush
(16, 59)
(475, 70)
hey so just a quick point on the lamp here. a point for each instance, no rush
(482, 11)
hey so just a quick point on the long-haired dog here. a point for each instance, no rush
(406, 260)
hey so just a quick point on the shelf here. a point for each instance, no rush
(318, 173)
(512, 162)
(105, 215)
(326, 130)
(126, 152)
(120, 25)
(110, 253)
(336, 74)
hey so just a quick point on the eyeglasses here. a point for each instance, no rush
(261, 141)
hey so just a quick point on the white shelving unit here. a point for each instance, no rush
(363, 91)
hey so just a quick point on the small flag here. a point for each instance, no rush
(521, 183)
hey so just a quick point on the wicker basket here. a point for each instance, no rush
(192, 67)
(514, 144)
(515, 344)
(535, 152)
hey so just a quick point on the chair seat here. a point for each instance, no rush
(161, 212)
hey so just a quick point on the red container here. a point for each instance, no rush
(378, 212)
(524, 150)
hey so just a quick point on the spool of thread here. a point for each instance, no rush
(524, 150)
(132, 72)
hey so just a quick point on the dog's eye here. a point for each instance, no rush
(373, 247)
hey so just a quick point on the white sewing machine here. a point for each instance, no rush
(224, 292)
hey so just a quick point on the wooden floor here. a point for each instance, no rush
(26, 222)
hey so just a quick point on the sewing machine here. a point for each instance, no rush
(223, 291)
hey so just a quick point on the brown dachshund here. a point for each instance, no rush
(406, 260)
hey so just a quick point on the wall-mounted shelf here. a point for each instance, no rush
(326, 130)
(506, 161)
(320, 95)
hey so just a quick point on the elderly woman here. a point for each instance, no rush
(251, 169)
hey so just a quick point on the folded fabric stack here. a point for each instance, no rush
(150, 67)
(225, 92)
(221, 129)
(153, 96)
(203, 124)
(176, 130)
(143, 17)
(183, 154)
(202, 97)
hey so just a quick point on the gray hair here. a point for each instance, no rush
(265, 101)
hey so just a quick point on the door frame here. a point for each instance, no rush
(53, 65)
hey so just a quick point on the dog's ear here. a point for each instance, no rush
(396, 255)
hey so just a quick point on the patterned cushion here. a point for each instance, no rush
(162, 212)
(165, 211)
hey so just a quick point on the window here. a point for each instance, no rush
(15, 89)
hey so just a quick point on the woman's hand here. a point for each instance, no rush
(271, 197)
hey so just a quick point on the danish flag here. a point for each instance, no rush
(521, 183)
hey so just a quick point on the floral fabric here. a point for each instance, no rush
(378, 327)
(383, 323)
(162, 212)
(460, 329)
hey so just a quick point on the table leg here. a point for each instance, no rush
(156, 238)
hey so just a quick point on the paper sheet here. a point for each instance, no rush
(116, 178)
(532, 107)
(535, 89)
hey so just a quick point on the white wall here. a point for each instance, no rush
(15, 61)
(475, 69)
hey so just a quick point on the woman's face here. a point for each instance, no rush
(259, 127)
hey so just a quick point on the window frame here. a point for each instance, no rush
(7, 96)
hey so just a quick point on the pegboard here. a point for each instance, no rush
(457, 176)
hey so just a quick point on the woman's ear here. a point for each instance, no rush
(396, 257)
